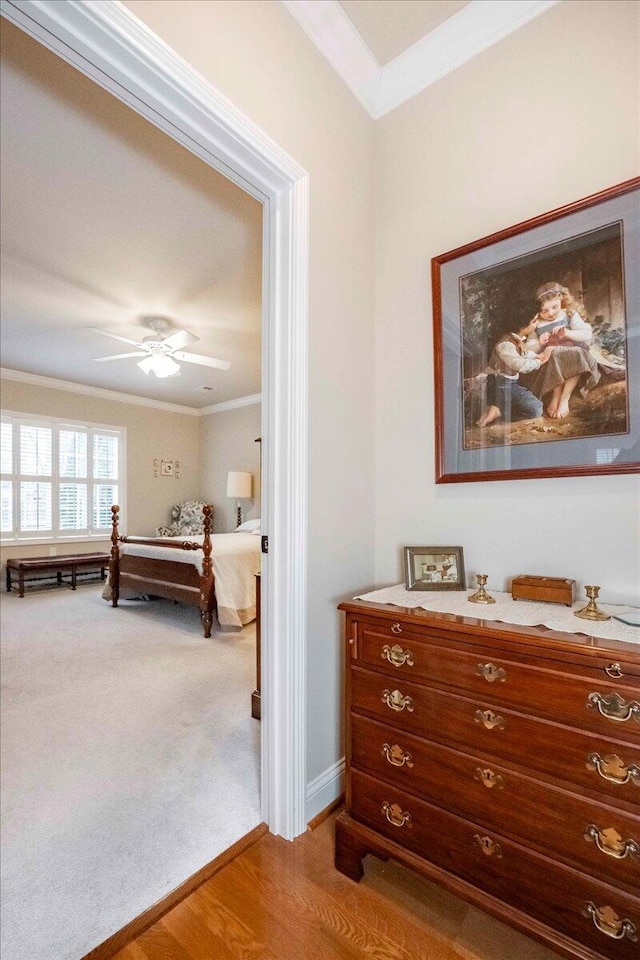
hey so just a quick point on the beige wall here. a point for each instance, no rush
(227, 442)
(259, 58)
(151, 433)
(547, 116)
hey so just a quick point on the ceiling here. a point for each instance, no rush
(388, 27)
(105, 220)
(387, 51)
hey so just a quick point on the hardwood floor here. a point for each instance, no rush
(285, 901)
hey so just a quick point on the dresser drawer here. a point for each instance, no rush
(567, 756)
(594, 914)
(596, 703)
(601, 840)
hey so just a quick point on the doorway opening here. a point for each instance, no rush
(112, 48)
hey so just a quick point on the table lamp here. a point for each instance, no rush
(239, 487)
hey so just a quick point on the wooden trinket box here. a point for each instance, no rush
(547, 589)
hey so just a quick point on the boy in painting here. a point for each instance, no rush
(511, 356)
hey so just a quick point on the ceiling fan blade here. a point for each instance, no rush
(204, 361)
(120, 356)
(180, 339)
(116, 336)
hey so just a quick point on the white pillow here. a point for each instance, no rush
(249, 526)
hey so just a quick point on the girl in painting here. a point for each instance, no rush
(561, 327)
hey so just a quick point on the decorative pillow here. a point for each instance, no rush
(187, 520)
(249, 526)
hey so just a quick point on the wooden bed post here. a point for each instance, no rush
(207, 579)
(114, 563)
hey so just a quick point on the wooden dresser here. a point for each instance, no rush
(502, 762)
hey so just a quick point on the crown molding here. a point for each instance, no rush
(331, 30)
(53, 384)
(478, 26)
(231, 404)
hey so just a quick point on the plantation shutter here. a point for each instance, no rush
(6, 447)
(72, 497)
(105, 468)
(73, 453)
(104, 496)
(35, 449)
(105, 457)
(60, 479)
(6, 506)
(35, 506)
(72, 505)
(6, 487)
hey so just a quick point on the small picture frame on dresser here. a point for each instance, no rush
(434, 568)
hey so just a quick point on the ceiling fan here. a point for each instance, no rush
(161, 352)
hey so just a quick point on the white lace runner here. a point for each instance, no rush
(526, 612)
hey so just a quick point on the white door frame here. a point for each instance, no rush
(111, 46)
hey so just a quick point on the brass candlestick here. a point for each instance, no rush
(592, 611)
(481, 595)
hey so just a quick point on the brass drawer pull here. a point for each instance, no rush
(489, 719)
(395, 814)
(396, 756)
(609, 842)
(612, 768)
(614, 707)
(489, 778)
(396, 628)
(614, 670)
(396, 655)
(488, 846)
(607, 921)
(491, 673)
(396, 701)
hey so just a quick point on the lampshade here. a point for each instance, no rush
(159, 364)
(239, 485)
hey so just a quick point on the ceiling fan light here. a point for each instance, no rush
(161, 366)
(146, 364)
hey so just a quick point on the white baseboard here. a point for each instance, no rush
(326, 788)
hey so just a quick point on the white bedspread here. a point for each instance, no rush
(236, 560)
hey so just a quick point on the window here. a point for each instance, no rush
(59, 479)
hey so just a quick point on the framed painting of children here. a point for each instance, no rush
(537, 346)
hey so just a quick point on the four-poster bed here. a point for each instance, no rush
(217, 575)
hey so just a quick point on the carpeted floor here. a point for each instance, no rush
(130, 759)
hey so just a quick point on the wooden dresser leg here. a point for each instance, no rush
(350, 852)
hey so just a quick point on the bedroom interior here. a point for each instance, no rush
(178, 710)
(423, 171)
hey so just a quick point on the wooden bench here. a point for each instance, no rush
(69, 563)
